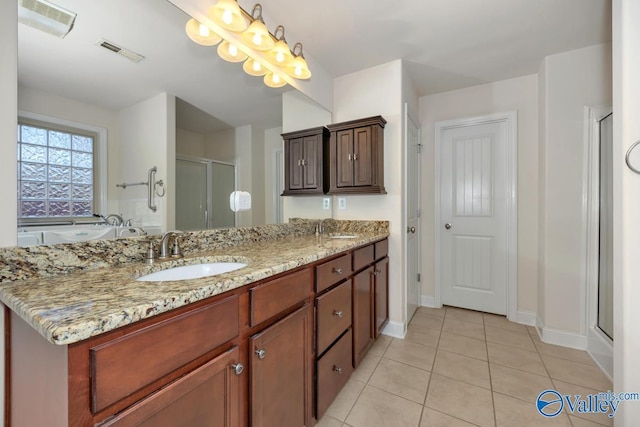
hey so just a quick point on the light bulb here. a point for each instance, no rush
(203, 30)
(233, 50)
(298, 71)
(280, 57)
(276, 78)
(257, 39)
(256, 66)
(227, 17)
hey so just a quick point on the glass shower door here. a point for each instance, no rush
(605, 264)
(191, 195)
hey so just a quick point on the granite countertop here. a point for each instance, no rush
(67, 308)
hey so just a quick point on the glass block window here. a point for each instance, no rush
(55, 173)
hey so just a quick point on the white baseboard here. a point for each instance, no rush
(560, 337)
(601, 351)
(428, 301)
(395, 329)
(525, 318)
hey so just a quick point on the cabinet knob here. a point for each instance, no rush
(349, 157)
(337, 313)
(337, 370)
(337, 270)
(304, 162)
(238, 368)
(355, 157)
(262, 353)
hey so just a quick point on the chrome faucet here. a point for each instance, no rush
(117, 219)
(137, 230)
(165, 244)
(320, 226)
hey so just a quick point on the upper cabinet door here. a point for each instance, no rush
(295, 150)
(310, 162)
(344, 158)
(362, 161)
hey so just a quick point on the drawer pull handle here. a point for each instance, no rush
(337, 313)
(337, 370)
(238, 368)
(337, 270)
(261, 353)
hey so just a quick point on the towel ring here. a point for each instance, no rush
(626, 157)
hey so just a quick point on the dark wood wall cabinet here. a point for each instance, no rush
(306, 155)
(357, 156)
(271, 354)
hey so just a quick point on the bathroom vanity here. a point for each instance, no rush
(270, 344)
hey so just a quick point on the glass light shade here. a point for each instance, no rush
(280, 54)
(274, 80)
(228, 15)
(201, 34)
(254, 68)
(257, 36)
(231, 53)
(298, 68)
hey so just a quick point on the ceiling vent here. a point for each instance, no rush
(46, 16)
(129, 54)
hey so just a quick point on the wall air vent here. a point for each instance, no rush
(129, 54)
(46, 16)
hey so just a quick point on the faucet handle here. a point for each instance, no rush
(175, 249)
(150, 254)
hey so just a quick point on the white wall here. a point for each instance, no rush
(272, 143)
(147, 136)
(221, 146)
(190, 143)
(257, 177)
(520, 94)
(243, 161)
(626, 209)
(570, 81)
(378, 91)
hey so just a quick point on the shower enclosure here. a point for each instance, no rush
(605, 232)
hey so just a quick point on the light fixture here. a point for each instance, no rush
(273, 80)
(201, 34)
(263, 53)
(254, 68)
(230, 52)
(46, 16)
(298, 68)
(280, 53)
(228, 15)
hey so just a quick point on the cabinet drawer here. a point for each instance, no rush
(275, 296)
(334, 369)
(362, 257)
(381, 249)
(332, 272)
(334, 315)
(126, 364)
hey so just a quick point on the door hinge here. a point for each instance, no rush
(418, 277)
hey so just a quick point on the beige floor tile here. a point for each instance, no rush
(573, 390)
(516, 383)
(461, 400)
(433, 418)
(502, 322)
(440, 312)
(380, 345)
(564, 353)
(410, 353)
(463, 345)
(328, 421)
(579, 422)
(377, 408)
(510, 338)
(533, 333)
(467, 329)
(516, 358)
(422, 335)
(515, 412)
(344, 401)
(462, 368)
(366, 367)
(401, 380)
(426, 321)
(577, 373)
(464, 315)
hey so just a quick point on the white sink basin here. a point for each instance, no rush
(195, 271)
(342, 236)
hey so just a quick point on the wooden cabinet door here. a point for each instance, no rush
(295, 151)
(344, 158)
(207, 396)
(362, 151)
(281, 372)
(310, 159)
(362, 314)
(381, 294)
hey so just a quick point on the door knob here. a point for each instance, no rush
(411, 229)
(447, 226)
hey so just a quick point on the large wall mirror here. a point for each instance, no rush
(222, 115)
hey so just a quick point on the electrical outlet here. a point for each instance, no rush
(326, 203)
(342, 203)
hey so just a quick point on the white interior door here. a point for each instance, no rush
(413, 217)
(473, 216)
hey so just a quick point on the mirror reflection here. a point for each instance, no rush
(180, 108)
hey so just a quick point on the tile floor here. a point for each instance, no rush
(462, 368)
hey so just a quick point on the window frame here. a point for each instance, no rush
(99, 163)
